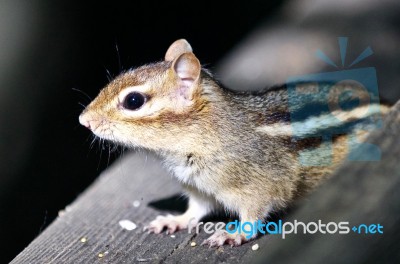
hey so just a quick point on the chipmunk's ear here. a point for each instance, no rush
(177, 48)
(187, 67)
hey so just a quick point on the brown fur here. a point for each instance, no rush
(208, 136)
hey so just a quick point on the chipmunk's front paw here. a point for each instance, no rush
(170, 222)
(221, 237)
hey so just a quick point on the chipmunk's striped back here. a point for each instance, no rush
(309, 110)
(319, 122)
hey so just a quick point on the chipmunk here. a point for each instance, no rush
(235, 151)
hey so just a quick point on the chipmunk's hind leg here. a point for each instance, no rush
(248, 231)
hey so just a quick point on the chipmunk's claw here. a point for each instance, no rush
(221, 237)
(170, 222)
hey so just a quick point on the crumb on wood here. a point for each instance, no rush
(127, 224)
(144, 259)
(255, 247)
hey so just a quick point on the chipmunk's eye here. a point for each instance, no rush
(134, 101)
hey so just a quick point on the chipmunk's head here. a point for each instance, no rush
(152, 106)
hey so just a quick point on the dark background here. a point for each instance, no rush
(50, 47)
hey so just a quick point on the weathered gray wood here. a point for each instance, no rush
(95, 215)
(359, 192)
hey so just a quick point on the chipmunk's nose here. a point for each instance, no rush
(84, 120)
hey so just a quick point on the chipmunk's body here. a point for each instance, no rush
(231, 150)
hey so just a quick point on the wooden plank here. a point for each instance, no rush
(95, 215)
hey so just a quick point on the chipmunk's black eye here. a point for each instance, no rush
(134, 101)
